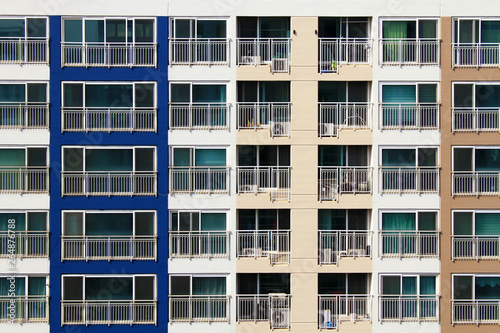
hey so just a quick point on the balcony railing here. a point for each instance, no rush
(334, 309)
(274, 309)
(476, 55)
(20, 180)
(102, 183)
(471, 183)
(22, 50)
(262, 51)
(476, 119)
(109, 312)
(258, 115)
(334, 117)
(274, 244)
(476, 312)
(113, 119)
(24, 115)
(476, 247)
(197, 51)
(201, 309)
(24, 309)
(409, 116)
(201, 180)
(24, 244)
(394, 180)
(203, 244)
(108, 54)
(272, 180)
(408, 308)
(335, 52)
(334, 245)
(337, 180)
(417, 52)
(409, 244)
(199, 116)
(108, 248)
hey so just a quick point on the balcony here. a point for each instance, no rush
(400, 117)
(335, 245)
(476, 312)
(26, 309)
(476, 120)
(272, 180)
(108, 54)
(108, 248)
(22, 180)
(420, 180)
(273, 244)
(335, 52)
(199, 51)
(418, 52)
(334, 309)
(337, 180)
(476, 55)
(199, 116)
(24, 244)
(102, 183)
(199, 180)
(199, 309)
(334, 117)
(24, 115)
(203, 244)
(273, 308)
(108, 312)
(111, 119)
(484, 183)
(24, 50)
(264, 51)
(409, 244)
(408, 308)
(476, 248)
(261, 115)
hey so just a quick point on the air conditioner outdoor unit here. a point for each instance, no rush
(328, 130)
(280, 128)
(280, 318)
(250, 60)
(251, 252)
(326, 319)
(327, 256)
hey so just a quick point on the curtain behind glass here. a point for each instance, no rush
(19, 218)
(399, 94)
(487, 224)
(108, 159)
(490, 32)
(12, 93)
(36, 286)
(213, 221)
(109, 224)
(11, 27)
(209, 285)
(398, 222)
(37, 221)
(399, 29)
(487, 287)
(12, 158)
(210, 157)
(427, 285)
(332, 219)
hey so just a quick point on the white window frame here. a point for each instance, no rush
(191, 276)
(382, 148)
(401, 276)
(200, 212)
(406, 211)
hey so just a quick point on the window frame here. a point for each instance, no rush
(200, 212)
(417, 19)
(415, 148)
(194, 275)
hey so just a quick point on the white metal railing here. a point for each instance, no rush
(275, 116)
(409, 51)
(476, 247)
(109, 312)
(108, 248)
(24, 309)
(199, 308)
(475, 183)
(199, 116)
(476, 312)
(199, 51)
(334, 245)
(108, 119)
(18, 180)
(108, 54)
(274, 244)
(102, 183)
(476, 55)
(337, 180)
(409, 180)
(393, 308)
(202, 244)
(409, 244)
(337, 116)
(417, 116)
(476, 119)
(24, 50)
(334, 52)
(24, 115)
(333, 309)
(24, 244)
(273, 180)
(207, 180)
(261, 51)
(274, 309)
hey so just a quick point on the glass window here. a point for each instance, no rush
(398, 157)
(105, 288)
(108, 160)
(12, 28)
(94, 31)
(73, 31)
(144, 31)
(12, 157)
(37, 27)
(12, 93)
(210, 157)
(211, 29)
(108, 224)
